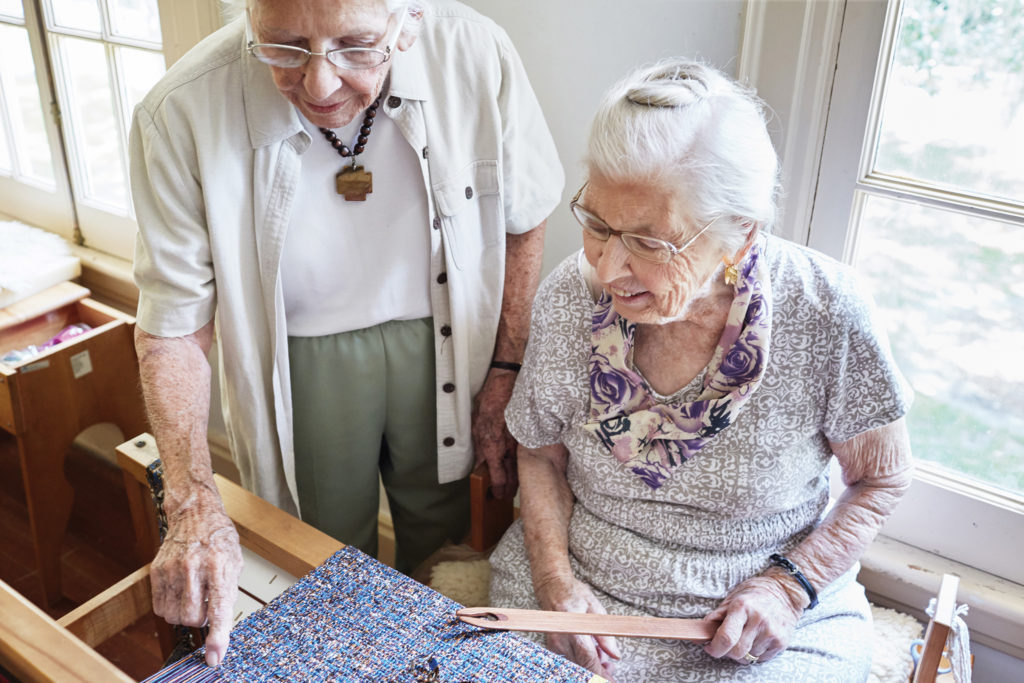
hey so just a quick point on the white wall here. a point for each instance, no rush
(574, 50)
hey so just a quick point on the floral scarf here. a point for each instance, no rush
(653, 438)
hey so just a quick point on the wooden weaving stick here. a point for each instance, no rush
(939, 626)
(540, 621)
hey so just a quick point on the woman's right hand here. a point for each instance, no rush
(596, 653)
(195, 573)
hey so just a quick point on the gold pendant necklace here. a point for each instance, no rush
(354, 182)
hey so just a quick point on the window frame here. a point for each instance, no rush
(839, 51)
(182, 23)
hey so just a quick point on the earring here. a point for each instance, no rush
(732, 273)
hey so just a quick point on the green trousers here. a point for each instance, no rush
(364, 406)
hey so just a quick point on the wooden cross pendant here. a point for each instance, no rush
(354, 183)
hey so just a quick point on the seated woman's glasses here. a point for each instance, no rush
(649, 248)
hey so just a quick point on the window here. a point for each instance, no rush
(23, 148)
(33, 182)
(71, 72)
(922, 189)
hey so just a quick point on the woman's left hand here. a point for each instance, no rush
(758, 617)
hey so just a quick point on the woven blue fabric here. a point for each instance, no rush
(355, 619)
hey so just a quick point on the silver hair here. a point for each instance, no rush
(413, 23)
(686, 126)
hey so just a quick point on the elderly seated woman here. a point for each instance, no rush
(688, 379)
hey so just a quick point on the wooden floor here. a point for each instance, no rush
(97, 548)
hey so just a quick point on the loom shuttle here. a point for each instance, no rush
(539, 621)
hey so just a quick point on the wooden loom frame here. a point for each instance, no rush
(37, 648)
(933, 650)
(34, 647)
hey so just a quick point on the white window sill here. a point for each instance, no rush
(905, 578)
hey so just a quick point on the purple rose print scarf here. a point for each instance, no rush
(653, 438)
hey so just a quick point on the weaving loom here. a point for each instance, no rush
(356, 619)
(350, 618)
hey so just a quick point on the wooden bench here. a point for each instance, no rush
(48, 399)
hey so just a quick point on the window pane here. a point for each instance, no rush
(951, 289)
(78, 14)
(954, 110)
(12, 8)
(96, 137)
(24, 110)
(141, 70)
(137, 19)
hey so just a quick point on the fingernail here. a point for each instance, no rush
(213, 659)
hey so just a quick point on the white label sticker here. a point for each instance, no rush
(41, 365)
(81, 364)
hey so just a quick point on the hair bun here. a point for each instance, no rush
(670, 87)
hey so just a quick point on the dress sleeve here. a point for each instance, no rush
(550, 391)
(866, 390)
(531, 172)
(173, 262)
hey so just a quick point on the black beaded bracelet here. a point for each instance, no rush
(505, 365)
(780, 561)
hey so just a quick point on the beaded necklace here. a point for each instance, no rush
(354, 182)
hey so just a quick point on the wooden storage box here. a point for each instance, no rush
(48, 399)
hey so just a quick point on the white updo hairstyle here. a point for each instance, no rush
(686, 126)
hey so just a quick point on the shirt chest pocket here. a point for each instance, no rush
(471, 212)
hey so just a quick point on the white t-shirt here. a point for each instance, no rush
(348, 265)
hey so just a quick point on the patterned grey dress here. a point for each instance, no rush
(758, 488)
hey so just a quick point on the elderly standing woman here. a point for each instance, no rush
(687, 381)
(354, 193)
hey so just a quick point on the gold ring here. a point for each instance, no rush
(750, 658)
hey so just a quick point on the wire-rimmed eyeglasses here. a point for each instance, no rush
(291, 57)
(649, 248)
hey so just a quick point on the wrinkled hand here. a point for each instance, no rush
(195, 573)
(596, 653)
(758, 617)
(491, 439)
